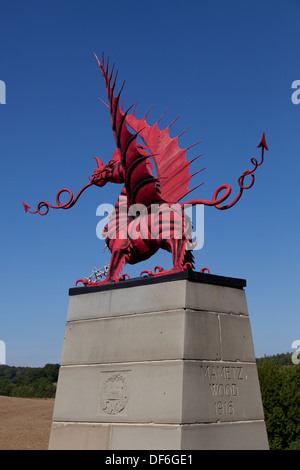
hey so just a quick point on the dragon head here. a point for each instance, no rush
(100, 175)
(112, 172)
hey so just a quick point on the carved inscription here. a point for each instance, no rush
(113, 393)
(224, 386)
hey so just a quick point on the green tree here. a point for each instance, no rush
(280, 389)
(39, 382)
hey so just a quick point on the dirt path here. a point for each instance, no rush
(25, 423)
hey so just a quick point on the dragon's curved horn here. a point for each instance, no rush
(99, 162)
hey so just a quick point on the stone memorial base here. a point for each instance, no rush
(159, 363)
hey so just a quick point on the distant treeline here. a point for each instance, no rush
(279, 383)
(29, 382)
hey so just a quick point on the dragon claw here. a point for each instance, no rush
(147, 272)
(123, 277)
(159, 269)
(84, 282)
(187, 266)
(204, 269)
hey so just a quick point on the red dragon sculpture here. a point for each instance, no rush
(147, 215)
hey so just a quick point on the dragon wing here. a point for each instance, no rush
(141, 186)
(170, 161)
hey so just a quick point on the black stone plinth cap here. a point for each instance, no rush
(146, 280)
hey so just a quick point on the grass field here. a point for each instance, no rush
(25, 423)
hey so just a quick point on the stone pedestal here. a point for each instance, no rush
(159, 363)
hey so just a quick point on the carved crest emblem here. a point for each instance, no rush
(114, 394)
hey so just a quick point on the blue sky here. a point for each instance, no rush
(227, 68)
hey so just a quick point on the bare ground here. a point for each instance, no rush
(25, 423)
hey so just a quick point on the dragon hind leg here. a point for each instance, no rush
(180, 257)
